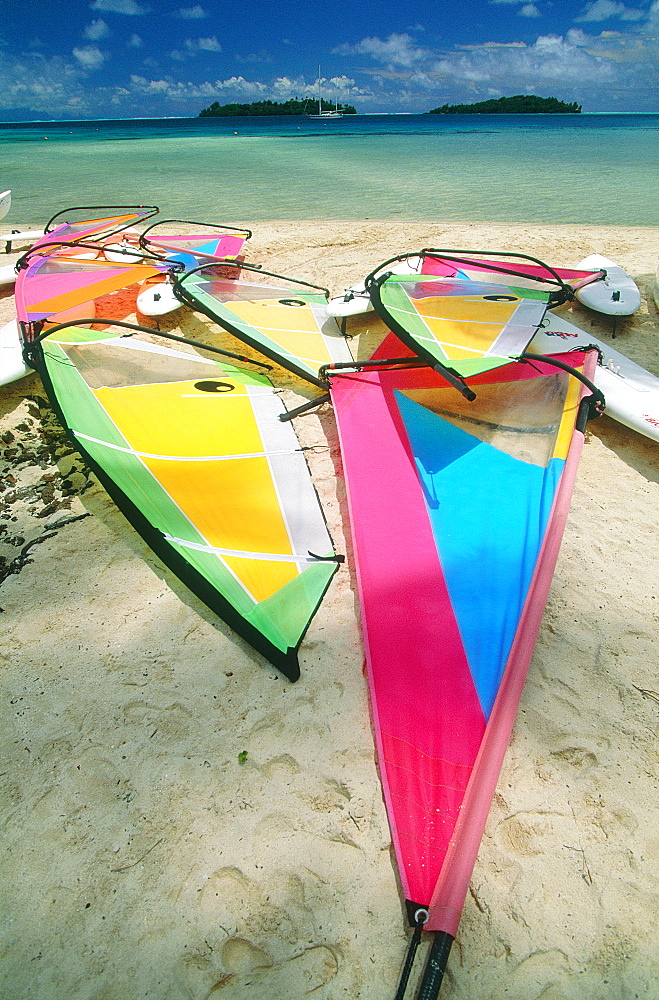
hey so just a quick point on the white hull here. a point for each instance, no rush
(7, 274)
(157, 299)
(631, 392)
(616, 295)
(12, 366)
(26, 236)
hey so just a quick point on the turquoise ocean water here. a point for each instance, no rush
(589, 169)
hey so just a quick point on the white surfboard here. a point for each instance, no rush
(5, 203)
(356, 300)
(12, 366)
(157, 298)
(631, 392)
(7, 274)
(24, 236)
(123, 253)
(615, 295)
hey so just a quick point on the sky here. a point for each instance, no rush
(85, 59)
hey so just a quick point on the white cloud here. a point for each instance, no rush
(191, 13)
(525, 10)
(193, 46)
(603, 10)
(96, 30)
(511, 66)
(42, 85)
(135, 42)
(119, 7)
(209, 44)
(175, 90)
(89, 56)
(396, 50)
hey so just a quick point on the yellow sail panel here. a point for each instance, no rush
(468, 307)
(207, 493)
(463, 340)
(566, 429)
(465, 327)
(187, 438)
(175, 418)
(293, 327)
(261, 578)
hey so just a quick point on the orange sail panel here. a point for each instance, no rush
(50, 286)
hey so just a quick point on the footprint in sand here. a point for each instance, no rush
(241, 970)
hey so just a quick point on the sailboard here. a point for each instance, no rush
(193, 452)
(5, 203)
(616, 295)
(286, 321)
(490, 266)
(456, 511)
(632, 392)
(12, 364)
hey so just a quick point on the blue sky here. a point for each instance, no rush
(130, 58)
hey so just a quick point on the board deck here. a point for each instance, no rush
(616, 295)
(631, 392)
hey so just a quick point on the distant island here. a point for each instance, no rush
(292, 107)
(521, 104)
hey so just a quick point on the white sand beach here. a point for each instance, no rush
(179, 822)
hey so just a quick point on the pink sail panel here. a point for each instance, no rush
(404, 602)
(451, 504)
(474, 267)
(51, 286)
(201, 247)
(78, 231)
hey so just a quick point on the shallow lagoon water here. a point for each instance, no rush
(588, 169)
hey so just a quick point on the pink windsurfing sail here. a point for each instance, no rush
(478, 266)
(210, 242)
(50, 287)
(456, 510)
(68, 226)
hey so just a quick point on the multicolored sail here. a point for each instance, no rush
(192, 249)
(50, 287)
(456, 510)
(194, 453)
(67, 226)
(287, 323)
(517, 269)
(465, 326)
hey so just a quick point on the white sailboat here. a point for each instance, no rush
(326, 114)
